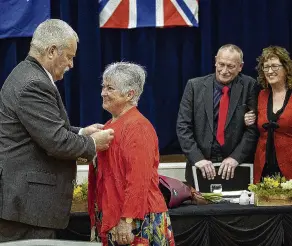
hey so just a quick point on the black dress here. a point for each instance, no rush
(271, 165)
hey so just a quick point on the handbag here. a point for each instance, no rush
(175, 192)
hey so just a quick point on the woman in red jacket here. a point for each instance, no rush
(125, 203)
(274, 114)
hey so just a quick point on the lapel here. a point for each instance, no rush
(208, 100)
(234, 98)
(263, 104)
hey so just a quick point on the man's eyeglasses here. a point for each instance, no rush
(274, 67)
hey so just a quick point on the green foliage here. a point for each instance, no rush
(80, 192)
(212, 197)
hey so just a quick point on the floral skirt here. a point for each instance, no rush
(154, 230)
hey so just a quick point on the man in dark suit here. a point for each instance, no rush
(38, 146)
(210, 125)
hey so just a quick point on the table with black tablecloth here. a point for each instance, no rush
(214, 225)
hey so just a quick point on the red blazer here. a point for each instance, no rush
(126, 183)
(282, 138)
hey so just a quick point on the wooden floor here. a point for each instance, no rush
(172, 158)
(163, 159)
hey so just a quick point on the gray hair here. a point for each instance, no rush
(51, 32)
(126, 76)
(232, 48)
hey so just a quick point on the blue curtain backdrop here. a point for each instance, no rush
(171, 56)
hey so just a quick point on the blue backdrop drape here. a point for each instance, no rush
(171, 56)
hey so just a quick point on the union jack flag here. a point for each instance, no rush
(147, 13)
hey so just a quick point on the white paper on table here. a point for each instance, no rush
(233, 193)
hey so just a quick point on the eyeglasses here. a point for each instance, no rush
(274, 67)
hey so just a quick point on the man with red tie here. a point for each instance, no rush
(210, 125)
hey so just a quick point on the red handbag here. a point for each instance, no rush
(176, 192)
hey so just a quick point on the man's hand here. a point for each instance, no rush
(227, 168)
(122, 233)
(249, 118)
(103, 138)
(207, 168)
(91, 129)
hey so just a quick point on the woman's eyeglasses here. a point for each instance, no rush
(274, 67)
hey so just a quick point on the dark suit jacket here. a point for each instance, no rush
(195, 121)
(38, 149)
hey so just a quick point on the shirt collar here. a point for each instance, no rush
(50, 76)
(219, 86)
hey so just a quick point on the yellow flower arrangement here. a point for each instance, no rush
(80, 192)
(273, 188)
(79, 203)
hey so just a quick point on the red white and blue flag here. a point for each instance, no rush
(148, 13)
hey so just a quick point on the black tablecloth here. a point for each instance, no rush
(232, 224)
(214, 225)
(227, 209)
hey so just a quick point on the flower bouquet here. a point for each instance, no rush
(79, 203)
(204, 198)
(272, 191)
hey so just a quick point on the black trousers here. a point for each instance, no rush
(12, 231)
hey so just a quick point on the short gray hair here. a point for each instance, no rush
(232, 48)
(126, 76)
(51, 32)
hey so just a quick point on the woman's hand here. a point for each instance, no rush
(249, 118)
(122, 233)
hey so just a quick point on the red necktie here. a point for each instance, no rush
(223, 109)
